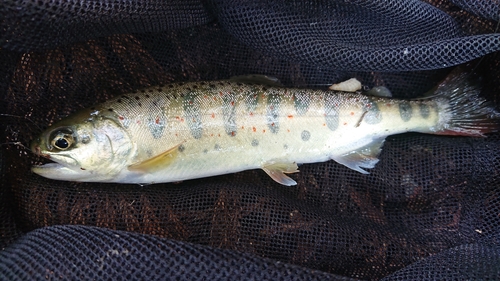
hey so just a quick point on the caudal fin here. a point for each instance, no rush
(462, 111)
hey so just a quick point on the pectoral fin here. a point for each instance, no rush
(157, 162)
(364, 157)
(277, 172)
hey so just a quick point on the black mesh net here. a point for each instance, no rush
(429, 210)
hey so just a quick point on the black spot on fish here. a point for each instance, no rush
(92, 108)
(331, 112)
(424, 110)
(147, 96)
(373, 115)
(229, 114)
(205, 151)
(119, 100)
(255, 142)
(272, 113)
(137, 98)
(217, 147)
(193, 115)
(181, 148)
(211, 85)
(305, 135)
(170, 86)
(405, 111)
(110, 110)
(143, 91)
(301, 102)
(195, 86)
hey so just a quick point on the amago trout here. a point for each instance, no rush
(191, 130)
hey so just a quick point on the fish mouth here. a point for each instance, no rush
(60, 171)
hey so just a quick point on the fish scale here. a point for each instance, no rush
(199, 129)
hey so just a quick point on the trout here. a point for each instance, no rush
(192, 130)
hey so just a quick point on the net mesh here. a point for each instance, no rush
(428, 210)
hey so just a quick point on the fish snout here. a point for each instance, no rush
(35, 148)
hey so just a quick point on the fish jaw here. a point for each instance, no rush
(58, 171)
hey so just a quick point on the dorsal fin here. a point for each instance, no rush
(257, 79)
(351, 85)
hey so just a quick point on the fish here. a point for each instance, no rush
(191, 130)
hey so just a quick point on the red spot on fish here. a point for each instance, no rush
(290, 116)
(352, 113)
(121, 117)
(324, 124)
(232, 103)
(272, 124)
(288, 130)
(176, 134)
(242, 127)
(211, 135)
(254, 129)
(264, 131)
(178, 118)
(271, 107)
(138, 122)
(157, 121)
(368, 105)
(388, 104)
(213, 115)
(345, 124)
(215, 99)
(190, 102)
(205, 96)
(251, 113)
(182, 119)
(218, 135)
(220, 94)
(233, 134)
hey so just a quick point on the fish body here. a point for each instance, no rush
(192, 130)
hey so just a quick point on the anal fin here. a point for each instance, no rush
(277, 170)
(363, 157)
(157, 162)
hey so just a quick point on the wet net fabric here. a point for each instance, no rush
(428, 210)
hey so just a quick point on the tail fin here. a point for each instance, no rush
(462, 111)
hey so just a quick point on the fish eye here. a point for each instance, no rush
(61, 143)
(62, 139)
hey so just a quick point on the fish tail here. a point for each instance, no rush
(462, 111)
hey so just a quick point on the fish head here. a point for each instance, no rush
(88, 147)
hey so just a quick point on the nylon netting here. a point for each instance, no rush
(429, 210)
